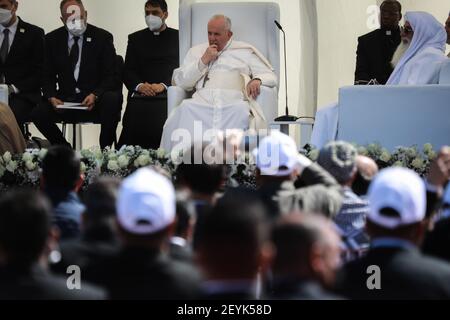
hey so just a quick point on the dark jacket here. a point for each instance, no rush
(97, 67)
(145, 274)
(300, 289)
(404, 274)
(25, 62)
(151, 58)
(373, 56)
(37, 284)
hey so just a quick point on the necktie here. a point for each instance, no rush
(5, 46)
(74, 53)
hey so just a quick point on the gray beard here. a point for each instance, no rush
(399, 52)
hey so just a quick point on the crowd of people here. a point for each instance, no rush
(306, 231)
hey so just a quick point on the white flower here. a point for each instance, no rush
(98, 154)
(142, 161)
(112, 156)
(130, 149)
(30, 165)
(314, 154)
(362, 151)
(385, 156)
(7, 157)
(27, 157)
(123, 161)
(83, 167)
(11, 166)
(417, 163)
(161, 153)
(42, 153)
(432, 155)
(398, 164)
(427, 148)
(2, 171)
(112, 165)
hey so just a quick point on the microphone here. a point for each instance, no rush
(286, 117)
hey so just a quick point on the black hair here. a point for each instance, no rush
(63, 3)
(157, 3)
(61, 168)
(399, 5)
(24, 226)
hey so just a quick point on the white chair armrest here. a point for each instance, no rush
(268, 100)
(175, 95)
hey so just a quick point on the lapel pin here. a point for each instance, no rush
(89, 39)
(22, 30)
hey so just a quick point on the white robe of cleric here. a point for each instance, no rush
(420, 65)
(220, 101)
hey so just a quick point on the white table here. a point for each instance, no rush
(305, 131)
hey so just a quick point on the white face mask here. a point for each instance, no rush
(5, 16)
(153, 22)
(76, 27)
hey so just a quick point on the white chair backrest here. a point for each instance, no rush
(444, 75)
(252, 22)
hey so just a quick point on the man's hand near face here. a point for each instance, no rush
(254, 88)
(211, 54)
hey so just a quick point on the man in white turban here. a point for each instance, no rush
(425, 38)
(417, 61)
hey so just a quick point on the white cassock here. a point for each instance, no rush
(420, 65)
(220, 100)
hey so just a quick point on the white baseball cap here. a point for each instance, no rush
(277, 155)
(146, 202)
(399, 189)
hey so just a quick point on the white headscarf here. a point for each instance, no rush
(428, 34)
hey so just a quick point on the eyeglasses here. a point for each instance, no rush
(407, 30)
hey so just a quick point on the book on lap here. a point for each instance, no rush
(72, 106)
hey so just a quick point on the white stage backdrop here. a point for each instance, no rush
(322, 38)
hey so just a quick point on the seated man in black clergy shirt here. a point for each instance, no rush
(21, 60)
(152, 55)
(375, 49)
(81, 61)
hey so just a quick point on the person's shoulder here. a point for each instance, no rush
(171, 31)
(28, 27)
(369, 36)
(56, 34)
(99, 32)
(57, 288)
(138, 34)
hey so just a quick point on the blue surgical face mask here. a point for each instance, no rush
(5, 16)
(153, 22)
(76, 27)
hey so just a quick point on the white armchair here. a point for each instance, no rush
(253, 22)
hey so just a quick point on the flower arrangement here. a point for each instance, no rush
(24, 169)
(412, 157)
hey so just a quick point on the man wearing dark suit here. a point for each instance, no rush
(21, 60)
(375, 49)
(26, 240)
(81, 61)
(142, 269)
(152, 55)
(394, 268)
(308, 249)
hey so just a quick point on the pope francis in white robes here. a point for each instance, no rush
(226, 76)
